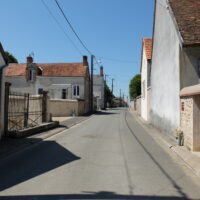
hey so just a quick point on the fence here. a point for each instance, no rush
(23, 110)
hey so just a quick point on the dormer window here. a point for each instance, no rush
(31, 74)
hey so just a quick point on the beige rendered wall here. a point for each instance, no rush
(138, 105)
(148, 103)
(66, 107)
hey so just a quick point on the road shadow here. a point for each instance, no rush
(32, 162)
(10, 145)
(105, 113)
(90, 195)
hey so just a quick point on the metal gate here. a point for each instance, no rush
(24, 111)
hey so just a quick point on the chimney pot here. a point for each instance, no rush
(101, 71)
(29, 59)
(85, 62)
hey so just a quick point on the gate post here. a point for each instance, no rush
(6, 105)
(26, 109)
(44, 106)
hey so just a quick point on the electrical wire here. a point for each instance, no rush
(60, 26)
(116, 60)
(70, 25)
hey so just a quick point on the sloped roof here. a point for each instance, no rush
(147, 46)
(49, 69)
(187, 15)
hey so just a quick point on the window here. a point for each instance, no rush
(76, 90)
(64, 93)
(32, 75)
(40, 90)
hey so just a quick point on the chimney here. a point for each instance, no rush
(85, 62)
(29, 59)
(101, 71)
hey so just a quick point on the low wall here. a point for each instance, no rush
(136, 105)
(66, 107)
(148, 103)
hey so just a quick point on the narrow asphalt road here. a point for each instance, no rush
(109, 156)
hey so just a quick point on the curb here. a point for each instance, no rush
(191, 161)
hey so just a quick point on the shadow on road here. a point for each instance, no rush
(90, 195)
(32, 162)
(105, 113)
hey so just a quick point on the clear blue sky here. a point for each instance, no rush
(109, 28)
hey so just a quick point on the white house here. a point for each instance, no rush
(175, 63)
(3, 64)
(61, 80)
(145, 70)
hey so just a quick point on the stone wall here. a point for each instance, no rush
(187, 120)
(190, 121)
(66, 107)
(148, 103)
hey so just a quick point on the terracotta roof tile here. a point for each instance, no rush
(49, 69)
(147, 45)
(187, 15)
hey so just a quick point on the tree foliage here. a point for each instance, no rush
(108, 94)
(11, 58)
(135, 86)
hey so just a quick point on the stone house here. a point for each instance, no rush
(3, 64)
(61, 80)
(145, 69)
(175, 69)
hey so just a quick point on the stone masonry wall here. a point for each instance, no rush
(187, 120)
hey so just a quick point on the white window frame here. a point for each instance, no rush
(32, 75)
(76, 91)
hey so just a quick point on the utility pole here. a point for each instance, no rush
(120, 99)
(112, 85)
(105, 97)
(91, 85)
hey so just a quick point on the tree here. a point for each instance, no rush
(11, 58)
(108, 95)
(135, 86)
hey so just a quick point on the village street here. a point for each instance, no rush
(107, 156)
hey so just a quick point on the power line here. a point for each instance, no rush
(70, 25)
(116, 60)
(60, 26)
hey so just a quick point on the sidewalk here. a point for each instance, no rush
(9, 146)
(192, 159)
